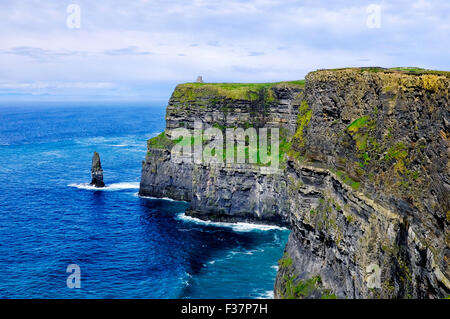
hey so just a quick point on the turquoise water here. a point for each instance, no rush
(126, 246)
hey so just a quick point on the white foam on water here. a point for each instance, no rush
(186, 279)
(120, 145)
(266, 295)
(247, 252)
(55, 154)
(156, 198)
(111, 187)
(238, 227)
(120, 141)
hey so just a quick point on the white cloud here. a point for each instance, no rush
(57, 85)
(134, 42)
(421, 4)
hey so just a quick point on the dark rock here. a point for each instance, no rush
(238, 192)
(365, 188)
(381, 141)
(97, 171)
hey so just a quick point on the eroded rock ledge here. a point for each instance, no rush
(365, 183)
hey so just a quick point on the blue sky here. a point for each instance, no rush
(139, 50)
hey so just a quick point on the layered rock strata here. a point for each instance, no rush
(364, 180)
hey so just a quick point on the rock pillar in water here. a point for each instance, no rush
(97, 171)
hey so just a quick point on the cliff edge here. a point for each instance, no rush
(231, 192)
(363, 184)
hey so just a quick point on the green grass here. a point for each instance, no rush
(303, 289)
(286, 261)
(235, 91)
(408, 69)
(360, 129)
(300, 83)
(328, 295)
(306, 287)
(398, 152)
(357, 124)
(348, 180)
(161, 142)
(418, 71)
(243, 86)
(403, 70)
(253, 153)
(285, 146)
(303, 119)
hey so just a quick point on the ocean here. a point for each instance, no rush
(126, 246)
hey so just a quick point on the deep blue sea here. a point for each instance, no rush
(125, 246)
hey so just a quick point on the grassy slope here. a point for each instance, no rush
(235, 91)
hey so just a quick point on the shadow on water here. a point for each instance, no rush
(98, 199)
(194, 243)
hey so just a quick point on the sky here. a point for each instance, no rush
(139, 50)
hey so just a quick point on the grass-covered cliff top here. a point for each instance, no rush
(391, 79)
(236, 91)
(401, 70)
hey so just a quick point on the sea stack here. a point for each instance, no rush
(97, 171)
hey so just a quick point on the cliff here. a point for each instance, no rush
(364, 182)
(232, 192)
(373, 194)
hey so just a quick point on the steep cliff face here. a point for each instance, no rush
(369, 189)
(234, 105)
(364, 184)
(232, 192)
(239, 193)
(162, 176)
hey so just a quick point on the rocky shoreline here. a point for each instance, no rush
(364, 183)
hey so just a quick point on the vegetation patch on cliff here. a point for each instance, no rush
(160, 141)
(307, 288)
(234, 91)
(286, 261)
(295, 288)
(258, 156)
(303, 119)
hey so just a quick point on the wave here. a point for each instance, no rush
(266, 295)
(186, 279)
(120, 145)
(159, 198)
(111, 187)
(247, 252)
(237, 227)
(134, 143)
